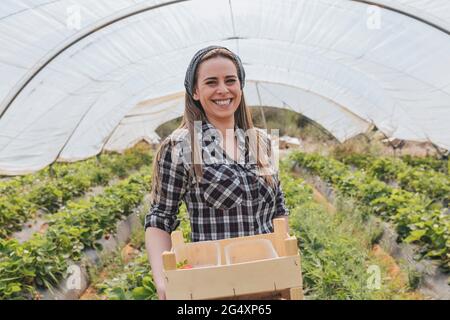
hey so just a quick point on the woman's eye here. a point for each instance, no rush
(214, 82)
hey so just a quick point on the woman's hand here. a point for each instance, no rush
(161, 289)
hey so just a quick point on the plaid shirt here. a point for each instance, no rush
(231, 200)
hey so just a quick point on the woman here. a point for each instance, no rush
(226, 178)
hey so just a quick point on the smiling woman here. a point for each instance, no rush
(238, 193)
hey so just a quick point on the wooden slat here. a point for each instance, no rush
(296, 293)
(280, 234)
(238, 279)
(224, 242)
(291, 246)
(169, 262)
(177, 238)
(178, 242)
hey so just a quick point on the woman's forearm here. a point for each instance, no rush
(156, 242)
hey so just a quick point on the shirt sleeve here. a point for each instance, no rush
(281, 208)
(173, 180)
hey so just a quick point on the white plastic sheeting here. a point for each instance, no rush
(68, 93)
(141, 122)
(325, 112)
(432, 11)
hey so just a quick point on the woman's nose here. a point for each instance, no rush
(222, 88)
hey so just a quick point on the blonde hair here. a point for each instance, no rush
(259, 144)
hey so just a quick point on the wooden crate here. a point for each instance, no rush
(269, 277)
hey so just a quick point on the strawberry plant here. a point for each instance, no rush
(427, 163)
(135, 282)
(420, 179)
(42, 261)
(24, 195)
(411, 213)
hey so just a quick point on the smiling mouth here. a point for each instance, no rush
(223, 102)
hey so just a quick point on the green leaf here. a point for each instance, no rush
(415, 235)
(140, 293)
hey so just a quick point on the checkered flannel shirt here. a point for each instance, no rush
(231, 200)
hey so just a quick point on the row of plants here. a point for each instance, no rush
(435, 185)
(133, 280)
(67, 182)
(43, 261)
(414, 218)
(337, 253)
(336, 246)
(428, 163)
(17, 184)
(26, 183)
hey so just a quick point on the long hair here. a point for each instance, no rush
(259, 145)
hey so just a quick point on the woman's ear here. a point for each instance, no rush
(195, 95)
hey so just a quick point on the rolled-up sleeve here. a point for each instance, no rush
(281, 208)
(173, 176)
(280, 204)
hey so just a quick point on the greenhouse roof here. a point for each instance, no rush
(77, 77)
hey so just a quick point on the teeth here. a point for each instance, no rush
(222, 102)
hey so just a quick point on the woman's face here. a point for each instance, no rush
(218, 88)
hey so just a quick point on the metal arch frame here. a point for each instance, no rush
(123, 17)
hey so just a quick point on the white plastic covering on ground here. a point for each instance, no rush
(67, 92)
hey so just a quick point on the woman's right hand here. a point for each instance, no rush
(161, 291)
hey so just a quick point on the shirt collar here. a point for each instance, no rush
(211, 135)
